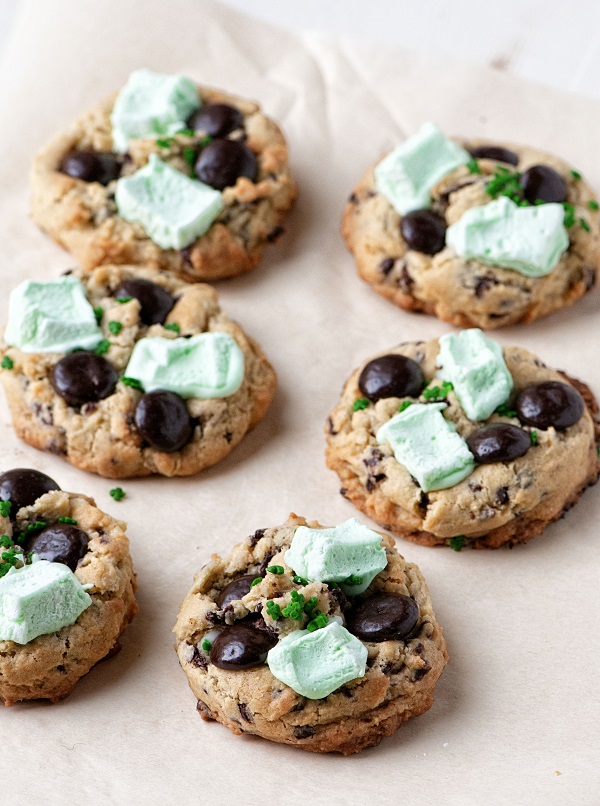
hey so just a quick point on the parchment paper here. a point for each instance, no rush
(517, 710)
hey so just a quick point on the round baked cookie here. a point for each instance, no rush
(526, 474)
(81, 214)
(105, 425)
(224, 614)
(67, 529)
(423, 274)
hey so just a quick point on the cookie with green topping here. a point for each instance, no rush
(166, 174)
(321, 638)
(459, 442)
(66, 586)
(475, 232)
(127, 371)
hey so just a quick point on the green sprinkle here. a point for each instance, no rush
(473, 166)
(274, 610)
(72, 521)
(103, 347)
(504, 410)
(6, 541)
(165, 142)
(7, 362)
(584, 224)
(505, 183)
(123, 300)
(353, 579)
(533, 437)
(457, 542)
(317, 623)
(576, 175)
(133, 382)
(98, 313)
(256, 581)
(295, 609)
(189, 155)
(206, 645)
(10, 559)
(593, 205)
(5, 508)
(186, 132)
(276, 569)
(438, 392)
(173, 326)
(299, 580)
(311, 604)
(569, 219)
(33, 527)
(118, 493)
(115, 327)
(404, 405)
(205, 141)
(360, 404)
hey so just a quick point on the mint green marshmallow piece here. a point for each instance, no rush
(529, 240)
(51, 317)
(173, 209)
(205, 366)
(332, 555)
(428, 446)
(316, 663)
(407, 175)
(38, 599)
(475, 365)
(150, 105)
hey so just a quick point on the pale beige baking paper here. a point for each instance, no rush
(519, 703)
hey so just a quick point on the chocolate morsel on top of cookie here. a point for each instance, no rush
(498, 442)
(163, 420)
(235, 590)
(91, 166)
(222, 162)
(83, 377)
(60, 543)
(496, 153)
(383, 617)
(391, 376)
(541, 183)
(216, 120)
(155, 302)
(424, 231)
(241, 647)
(550, 404)
(22, 486)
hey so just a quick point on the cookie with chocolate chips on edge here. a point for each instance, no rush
(459, 442)
(127, 372)
(167, 174)
(475, 232)
(321, 638)
(67, 586)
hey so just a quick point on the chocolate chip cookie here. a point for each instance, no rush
(517, 470)
(45, 526)
(407, 259)
(243, 608)
(81, 404)
(227, 144)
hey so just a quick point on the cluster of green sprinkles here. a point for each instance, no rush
(456, 543)
(5, 507)
(118, 493)
(72, 521)
(438, 392)
(9, 558)
(29, 529)
(353, 579)
(504, 410)
(7, 362)
(295, 609)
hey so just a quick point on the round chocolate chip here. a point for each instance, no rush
(156, 303)
(391, 376)
(235, 590)
(550, 403)
(498, 442)
(23, 486)
(383, 617)
(83, 377)
(496, 153)
(163, 420)
(543, 183)
(223, 161)
(91, 166)
(241, 647)
(424, 231)
(60, 543)
(217, 120)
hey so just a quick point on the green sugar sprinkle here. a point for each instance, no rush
(256, 581)
(5, 508)
(165, 142)
(274, 610)
(123, 300)
(173, 326)
(205, 141)
(438, 392)
(103, 347)
(7, 362)
(404, 405)
(299, 580)
(189, 155)
(98, 313)
(584, 224)
(72, 521)
(360, 404)
(115, 327)
(9, 560)
(504, 410)
(133, 382)
(593, 205)
(310, 604)
(295, 609)
(186, 132)
(118, 493)
(473, 166)
(276, 569)
(569, 219)
(533, 437)
(576, 175)
(206, 645)
(317, 623)
(353, 579)
(6, 541)
(457, 542)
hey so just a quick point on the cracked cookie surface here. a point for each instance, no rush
(400, 676)
(498, 503)
(464, 292)
(82, 216)
(101, 436)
